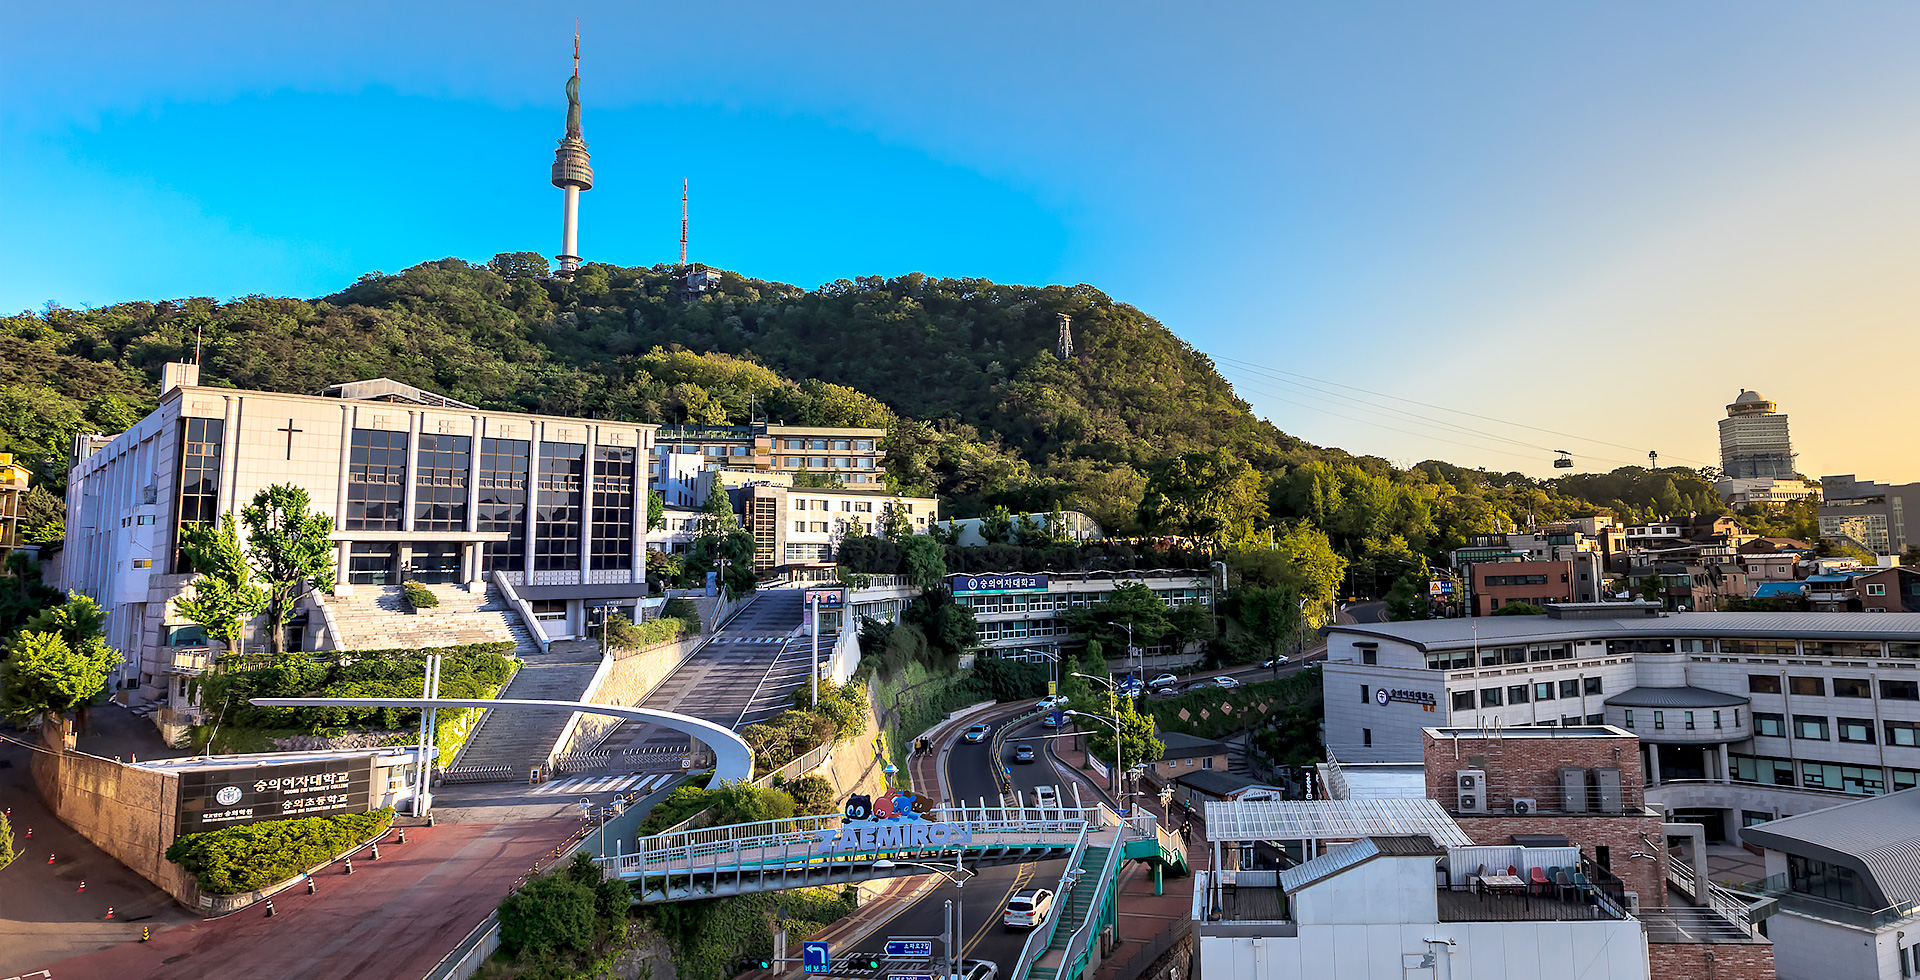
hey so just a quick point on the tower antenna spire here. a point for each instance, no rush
(576, 47)
(572, 169)
(683, 221)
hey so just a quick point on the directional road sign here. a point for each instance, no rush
(910, 976)
(814, 959)
(909, 949)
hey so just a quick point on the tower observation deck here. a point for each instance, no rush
(572, 171)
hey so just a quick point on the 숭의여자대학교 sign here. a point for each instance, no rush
(228, 796)
(996, 584)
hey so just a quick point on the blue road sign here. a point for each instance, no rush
(910, 976)
(909, 949)
(815, 959)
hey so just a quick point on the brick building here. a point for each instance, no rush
(1502, 583)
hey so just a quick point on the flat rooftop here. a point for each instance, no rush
(1429, 634)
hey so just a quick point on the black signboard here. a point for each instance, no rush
(231, 795)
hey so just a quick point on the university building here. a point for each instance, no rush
(421, 488)
(1018, 611)
(1742, 717)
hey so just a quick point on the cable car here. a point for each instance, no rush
(1565, 462)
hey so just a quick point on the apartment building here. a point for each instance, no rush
(840, 455)
(805, 525)
(13, 489)
(1873, 514)
(1742, 717)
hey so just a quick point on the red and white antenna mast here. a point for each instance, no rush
(683, 221)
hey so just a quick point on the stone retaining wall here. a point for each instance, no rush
(126, 811)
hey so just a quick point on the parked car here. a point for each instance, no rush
(1164, 680)
(1224, 681)
(1028, 909)
(1024, 753)
(977, 733)
(1165, 693)
(1130, 689)
(979, 970)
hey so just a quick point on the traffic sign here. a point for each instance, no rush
(909, 949)
(889, 768)
(909, 976)
(815, 959)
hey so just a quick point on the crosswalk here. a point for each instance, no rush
(641, 783)
(748, 639)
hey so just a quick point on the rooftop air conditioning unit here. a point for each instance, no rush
(1471, 785)
(1523, 806)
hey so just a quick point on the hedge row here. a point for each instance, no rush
(253, 856)
(469, 671)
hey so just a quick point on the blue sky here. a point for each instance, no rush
(1599, 221)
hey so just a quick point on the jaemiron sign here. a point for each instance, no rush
(996, 584)
(902, 835)
(232, 795)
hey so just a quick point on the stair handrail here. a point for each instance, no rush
(525, 611)
(1083, 936)
(1029, 954)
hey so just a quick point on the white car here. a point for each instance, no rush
(977, 733)
(979, 970)
(1046, 797)
(1056, 701)
(1028, 909)
(1164, 680)
(1226, 682)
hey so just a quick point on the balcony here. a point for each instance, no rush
(1777, 888)
(191, 660)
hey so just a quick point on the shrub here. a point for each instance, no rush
(6, 841)
(232, 860)
(812, 795)
(419, 596)
(683, 610)
(552, 912)
(626, 634)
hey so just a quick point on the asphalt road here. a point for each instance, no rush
(984, 896)
(746, 674)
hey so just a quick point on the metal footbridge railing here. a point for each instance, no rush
(804, 852)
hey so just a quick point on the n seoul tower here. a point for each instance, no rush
(571, 171)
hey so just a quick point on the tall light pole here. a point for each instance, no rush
(813, 610)
(1113, 699)
(958, 877)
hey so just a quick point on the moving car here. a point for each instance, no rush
(1272, 663)
(1024, 753)
(977, 733)
(1225, 682)
(1165, 693)
(1164, 680)
(1046, 797)
(1028, 909)
(1056, 718)
(1056, 701)
(979, 970)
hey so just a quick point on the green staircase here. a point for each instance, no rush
(1072, 913)
(1164, 849)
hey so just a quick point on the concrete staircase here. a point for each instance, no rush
(512, 740)
(376, 617)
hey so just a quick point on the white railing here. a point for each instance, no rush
(811, 760)
(523, 610)
(1029, 951)
(1720, 900)
(1072, 957)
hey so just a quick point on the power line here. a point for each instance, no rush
(1261, 368)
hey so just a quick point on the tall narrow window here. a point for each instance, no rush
(556, 516)
(503, 502)
(376, 480)
(440, 483)
(613, 507)
(200, 442)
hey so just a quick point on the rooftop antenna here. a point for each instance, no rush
(683, 222)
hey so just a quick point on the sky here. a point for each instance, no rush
(1478, 232)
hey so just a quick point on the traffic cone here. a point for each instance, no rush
(29, 833)
(109, 911)
(83, 885)
(49, 857)
(145, 934)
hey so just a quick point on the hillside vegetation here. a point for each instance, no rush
(1136, 428)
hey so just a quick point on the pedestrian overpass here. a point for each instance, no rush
(808, 852)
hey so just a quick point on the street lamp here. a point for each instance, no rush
(1115, 701)
(958, 876)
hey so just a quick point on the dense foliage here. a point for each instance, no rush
(57, 663)
(253, 856)
(710, 938)
(471, 671)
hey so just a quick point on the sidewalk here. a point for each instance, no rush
(393, 918)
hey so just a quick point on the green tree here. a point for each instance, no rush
(57, 664)
(997, 526)
(1138, 742)
(291, 549)
(1268, 614)
(1519, 609)
(1650, 588)
(519, 265)
(550, 913)
(1214, 495)
(925, 561)
(223, 597)
(894, 525)
(656, 511)
(6, 842)
(1131, 610)
(22, 593)
(1408, 597)
(43, 516)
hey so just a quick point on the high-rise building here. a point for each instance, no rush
(1753, 440)
(572, 171)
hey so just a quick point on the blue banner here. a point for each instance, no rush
(996, 584)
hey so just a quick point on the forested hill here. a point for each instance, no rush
(1136, 428)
